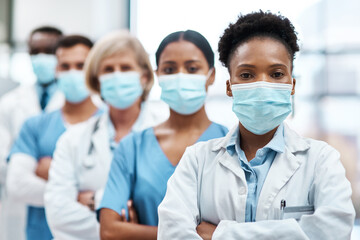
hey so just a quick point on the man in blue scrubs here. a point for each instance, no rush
(32, 152)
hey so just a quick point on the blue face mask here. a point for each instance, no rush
(184, 93)
(261, 106)
(119, 89)
(44, 66)
(72, 84)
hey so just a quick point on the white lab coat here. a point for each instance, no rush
(22, 184)
(210, 185)
(15, 107)
(74, 170)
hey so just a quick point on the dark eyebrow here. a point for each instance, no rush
(192, 61)
(186, 62)
(168, 62)
(246, 65)
(253, 66)
(279, 65)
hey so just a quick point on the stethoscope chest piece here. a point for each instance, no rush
(89, 161)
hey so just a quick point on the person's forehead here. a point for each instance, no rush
(264, 48)
(40, 38)
(125, 55)
(76, 51)
(181, 50)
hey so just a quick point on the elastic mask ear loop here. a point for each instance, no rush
(209, 73)
(292, 100)
(140, 76)
(232, 95)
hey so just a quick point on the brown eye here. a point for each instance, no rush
(108, 69)
(34, 52)
(65, 66)
(246, 75)
(168, 70)
(79, 66)
(192, 69)
(49, 50)
(277, 75)
(126, 68)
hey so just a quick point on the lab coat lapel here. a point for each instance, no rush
(282, 169)
(232, 163)
(55, 102)
(100, 139)
(225, 159)
(32, 98)
(27, 105)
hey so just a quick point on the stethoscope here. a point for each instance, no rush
(89, 161)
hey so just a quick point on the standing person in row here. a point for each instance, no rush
(17, 106)
(119, 69)
(262, 180)
(144, 161)
(32, 152)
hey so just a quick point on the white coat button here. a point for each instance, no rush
(261, 153)
(241, 191)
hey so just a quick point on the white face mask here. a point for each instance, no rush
(261, 106)
(72, 84)
(184, 93)
(44, 66)
(121, 89)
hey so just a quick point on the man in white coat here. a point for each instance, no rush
(20, 104)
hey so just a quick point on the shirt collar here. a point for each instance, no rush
(136, 127)
(111, 131)
(51, 89)
(230, 147)
(276, 144)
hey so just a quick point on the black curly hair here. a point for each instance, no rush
(257, 24)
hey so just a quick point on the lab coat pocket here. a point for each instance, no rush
(296, 212)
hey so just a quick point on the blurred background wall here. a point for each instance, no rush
(327, 99)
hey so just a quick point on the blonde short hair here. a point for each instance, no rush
(112, 43)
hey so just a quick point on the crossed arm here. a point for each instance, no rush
(333, 217)
(115, 226)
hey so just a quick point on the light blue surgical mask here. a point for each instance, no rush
(261, 106)
(119, 89)
(44, 66)
(184, 93)
(72, 84)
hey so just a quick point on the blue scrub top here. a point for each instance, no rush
(140, 171)
(37, 138)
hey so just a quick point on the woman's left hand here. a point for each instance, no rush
(132, 213)
(86, 198)
(43, 166)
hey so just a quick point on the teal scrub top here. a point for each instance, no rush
(140, 171)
